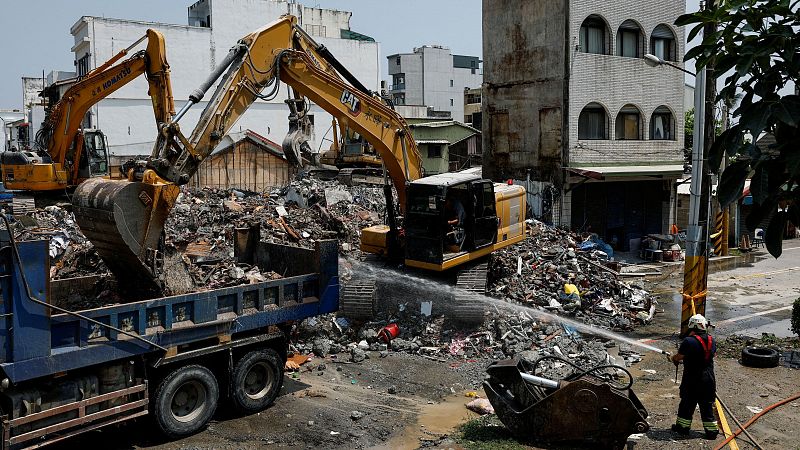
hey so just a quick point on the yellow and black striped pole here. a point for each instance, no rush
(719, 238)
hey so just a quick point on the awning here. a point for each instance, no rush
(612, 172)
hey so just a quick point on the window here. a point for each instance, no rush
(662, 43)
(593, 122)
(82, 65)
(451, 102)
(593, 35)
(628, 40)
(661, 124)
(628, 123)
(399, 99)
(397, 61)
(451, 83)
(434, 150)
(398, 81)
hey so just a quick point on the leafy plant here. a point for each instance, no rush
(796, 317)
(756, 47)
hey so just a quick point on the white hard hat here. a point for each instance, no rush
(698, 322)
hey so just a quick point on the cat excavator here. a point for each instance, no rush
(67, 154)
(124, 219)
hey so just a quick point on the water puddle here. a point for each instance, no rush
(432, 422)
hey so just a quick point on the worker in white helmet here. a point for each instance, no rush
(698, 386)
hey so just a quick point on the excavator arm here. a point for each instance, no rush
(283, 52)
(63, 124)
(124, 218)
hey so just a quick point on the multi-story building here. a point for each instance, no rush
(432, 76)
(473, 111)
(193, 50)
(571, 108)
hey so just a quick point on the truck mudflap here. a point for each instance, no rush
(582, 408)
(52, 425)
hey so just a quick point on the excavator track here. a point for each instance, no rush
(471, 280)
(358, 299)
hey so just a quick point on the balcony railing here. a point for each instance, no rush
(397, 87)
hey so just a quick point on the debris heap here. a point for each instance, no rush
(550, 270)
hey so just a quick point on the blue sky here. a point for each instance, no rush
(35, 36)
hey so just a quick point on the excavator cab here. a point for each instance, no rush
(433, 203)
(94, 156)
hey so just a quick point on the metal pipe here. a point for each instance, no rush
(539, 381)
(197, 94)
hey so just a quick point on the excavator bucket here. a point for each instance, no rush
(581, 409)
(124, 221)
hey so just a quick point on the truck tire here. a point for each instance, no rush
(185, 401)
(760, 357)
(257, 380)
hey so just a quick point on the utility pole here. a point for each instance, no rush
(695, 273)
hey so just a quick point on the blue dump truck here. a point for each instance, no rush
(175, 358)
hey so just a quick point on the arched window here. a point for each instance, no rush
(593, 122)
(630, 39)
(663, 43)
(629, 123)
(662, 125)
(594, 35)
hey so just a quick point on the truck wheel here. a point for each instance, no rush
(257, 379)
(185, 401)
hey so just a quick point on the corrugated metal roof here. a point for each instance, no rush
(447, 179)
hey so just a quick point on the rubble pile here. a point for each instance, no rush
(563, 273)
(199, 233)
(515, 335)
(71, 254)
(305, 211)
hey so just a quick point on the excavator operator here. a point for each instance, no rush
(456, 216)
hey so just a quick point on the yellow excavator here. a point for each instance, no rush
(66, 154)
(124, 218)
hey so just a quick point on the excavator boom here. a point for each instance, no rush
(126, 217)
(58, 134)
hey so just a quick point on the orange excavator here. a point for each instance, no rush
(65, 153)
(124, 219)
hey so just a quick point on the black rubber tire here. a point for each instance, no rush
(257, 380)
(760, 357)
(185, 401)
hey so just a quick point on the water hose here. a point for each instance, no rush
(756, 417)
(739, 424)
(581, 371)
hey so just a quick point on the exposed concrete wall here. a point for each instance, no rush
(524, 85)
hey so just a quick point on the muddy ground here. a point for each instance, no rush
(405, 402)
